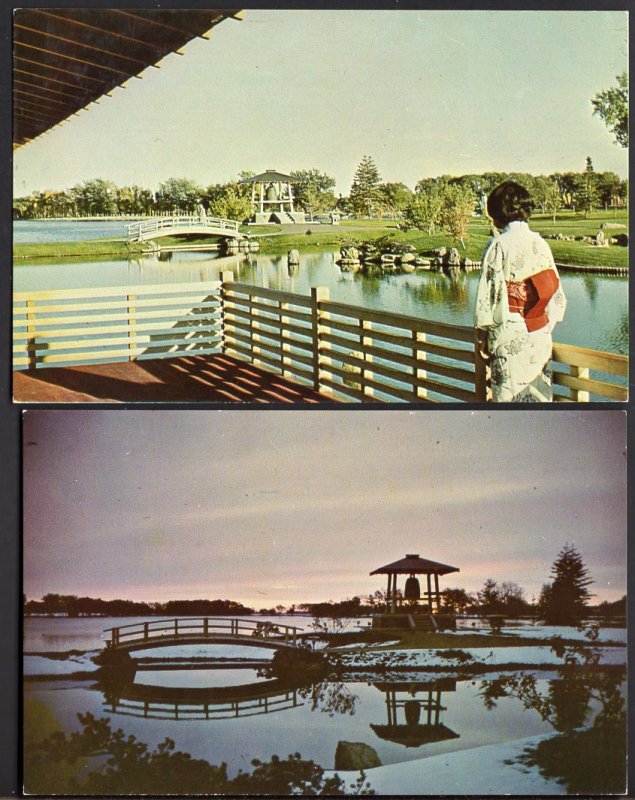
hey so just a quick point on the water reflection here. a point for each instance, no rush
(597, 313)
(588, 711)
(184, 702)
(413, 712)
(205, 712)
(330, 697)
(101, 761)
(441, 288)
(262, 695)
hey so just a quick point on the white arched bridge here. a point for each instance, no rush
(202, 630)
(156, 227)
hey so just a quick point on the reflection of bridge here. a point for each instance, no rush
(183, 703)
(175, 226)
(202, 630)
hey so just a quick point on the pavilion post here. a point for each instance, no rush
(388, 594)
(394, 593)
(436, 590)
(429, 591)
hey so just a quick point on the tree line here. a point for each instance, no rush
(435, 203)
(74, 606)
(563, 600)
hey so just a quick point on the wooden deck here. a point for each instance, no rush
(210, 378)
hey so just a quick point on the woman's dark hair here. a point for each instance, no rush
(509, 201)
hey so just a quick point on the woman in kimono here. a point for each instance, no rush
(519, 301)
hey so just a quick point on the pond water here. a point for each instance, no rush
(60, 634)
(69, 230)
(310, 719)
(597, 314)
(234, 714)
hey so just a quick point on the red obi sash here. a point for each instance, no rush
(530, 297)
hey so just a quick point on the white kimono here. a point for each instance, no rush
(521, 368)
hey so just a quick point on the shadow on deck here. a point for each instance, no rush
(210, 378)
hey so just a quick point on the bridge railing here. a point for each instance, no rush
(137, 230)
(152, 709)
(349, 352)
(188, 627)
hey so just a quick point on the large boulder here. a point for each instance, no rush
(355, 755)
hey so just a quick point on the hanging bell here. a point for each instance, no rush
(412, 589)
(412, 711)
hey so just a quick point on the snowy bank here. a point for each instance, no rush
(479, 771)
(616, 635)
(471, 656)
(42, 666)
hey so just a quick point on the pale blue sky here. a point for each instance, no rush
(422, 92)
(269, 507)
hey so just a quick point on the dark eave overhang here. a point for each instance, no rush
(66, 58)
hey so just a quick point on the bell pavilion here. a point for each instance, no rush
(272, 199)
(414, 608)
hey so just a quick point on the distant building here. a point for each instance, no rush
(272, 199)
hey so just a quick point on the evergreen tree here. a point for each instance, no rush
(365, 194)
(587, 195)
(564, 600)
(489, 598)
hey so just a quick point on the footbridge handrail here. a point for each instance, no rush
(205, 627)
(138, 231)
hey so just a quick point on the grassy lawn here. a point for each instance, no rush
(423, 640)
(89, 247)
(272, 240)
(577, 253)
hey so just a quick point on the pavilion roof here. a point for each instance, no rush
(66, 58)
(270, 176)
(414, 735)
(414, 564)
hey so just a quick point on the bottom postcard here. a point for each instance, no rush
(324, 602)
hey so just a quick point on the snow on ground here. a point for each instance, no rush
(468, 656)
(221, 651)
(617, 635)
(549, 631)
(40, 665)
(366, 644)
(478, 771)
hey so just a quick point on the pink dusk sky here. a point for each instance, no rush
(268, 507)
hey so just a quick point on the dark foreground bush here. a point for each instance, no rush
(112, 763)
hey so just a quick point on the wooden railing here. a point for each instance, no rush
(145, 228)
(71, 326)
(200, 627)
(350, 352)
(165, 709)
(581, 375)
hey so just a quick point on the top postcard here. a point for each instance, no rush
(320, 206)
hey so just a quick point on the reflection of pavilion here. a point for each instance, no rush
(414, 721)
(183, 703)
(272, 198)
